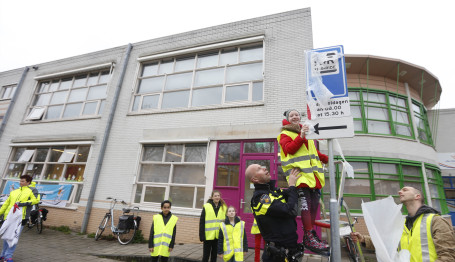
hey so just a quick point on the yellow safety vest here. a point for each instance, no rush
(255, 228)
(305, 159)
(233, 240)
(261, 208)
(212, 222)
(419, 241)
(162, 235)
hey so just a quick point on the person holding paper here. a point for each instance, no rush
(298, 152)
(426, 235)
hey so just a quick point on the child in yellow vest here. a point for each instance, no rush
(163, 226)
(232, 240)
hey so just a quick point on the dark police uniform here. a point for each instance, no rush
(275, 211)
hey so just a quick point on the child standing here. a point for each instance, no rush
(298, 152)
(232, 241)
(162, 233)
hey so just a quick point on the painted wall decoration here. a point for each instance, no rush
(51, 195)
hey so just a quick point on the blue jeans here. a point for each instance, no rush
(7, 252)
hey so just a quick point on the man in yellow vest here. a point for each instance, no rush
(426, 235)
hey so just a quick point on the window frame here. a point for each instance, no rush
(10, 90)
(422, 116)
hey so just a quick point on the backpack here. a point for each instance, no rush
(127, 222)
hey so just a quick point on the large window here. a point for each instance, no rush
(7, 92)
(50, 165)
(76, 96)
(172, 171)
(380, 112)
(420, 118)
(218, 77)
(379, 178)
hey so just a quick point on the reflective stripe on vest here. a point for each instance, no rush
(233, 237)
(261, 209)
(212, 222)
(306, 159)
(419, 241)
(162, 235)
(255, 228)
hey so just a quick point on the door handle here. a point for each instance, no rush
(241, 203)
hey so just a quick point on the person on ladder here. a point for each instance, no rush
(298, 152)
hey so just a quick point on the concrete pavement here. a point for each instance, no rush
(53, 245)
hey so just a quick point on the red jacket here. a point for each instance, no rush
(290, 146)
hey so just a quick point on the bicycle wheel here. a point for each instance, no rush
(352, 250)
(126, 236)
(39, 223)
(101, 227)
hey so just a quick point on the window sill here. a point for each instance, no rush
(71, 207)
(201, 108)
(26, 122)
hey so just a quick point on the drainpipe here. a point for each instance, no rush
(13, 101)
(107, 131)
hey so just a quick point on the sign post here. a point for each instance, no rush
(330, 115)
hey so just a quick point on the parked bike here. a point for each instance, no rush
(127, 225)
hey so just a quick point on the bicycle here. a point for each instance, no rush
(128, 224)
(37, 216)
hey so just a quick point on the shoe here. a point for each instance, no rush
(311, 243)
(318, 239)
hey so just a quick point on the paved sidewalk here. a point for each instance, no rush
(53, 245)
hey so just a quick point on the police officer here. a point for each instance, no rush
(275, 212)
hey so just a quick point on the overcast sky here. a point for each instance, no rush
(419, 32)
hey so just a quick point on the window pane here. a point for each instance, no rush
(150, 101)
(166, 67)
(400, 117)
(422, 135)
(150, 69)
(258, 147)
(15, 170)
(358, 125)
(385, 187)
(77, 95)
(67, 156)
(72, 110)
(153, 153)
(155, 173)
(356, 111)
(436, 204)
(93, 79)
(151, 85)
(209, 77)
(237, 93)
(229, 152)
(354, 202)
(175, 99)
(227, 175)
(154, 194)
(75, 173)
(200, 197)
(41, 154)
(178, 81)
(97, 92)
(416, 108)
(195, 153)
(18, 153)
(411, 170)
(377, 113)
(251, 53)
(359, 167)
(374, 97)
(44, 86)
(66, 83)
(137, 196)
(258, 91)
(53, 112)
(378, 127)
(207, 60)
(357, 186)
(42, 99)
(104, 77)
(26, 156)
(90, 108)
(82, 154)
(56, 152)
(181, 196)
(403, 130)
(189, 174)
(184, 64)
(54, 172)
(228, 57)
(59, 98)
(34, 170)
(173, 153)
(354, 95)
(54, 85)
(243, 73)
(207, 96)
(385, 168)
(397, 101)
(80, 81)
(101, 107)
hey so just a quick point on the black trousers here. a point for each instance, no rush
(210, 250)
(162, 259)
